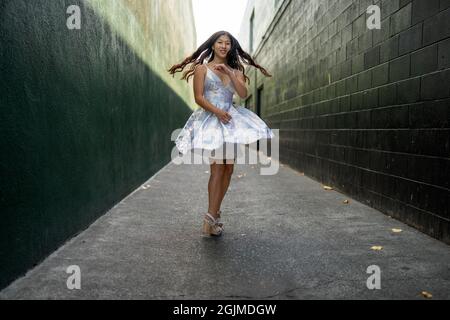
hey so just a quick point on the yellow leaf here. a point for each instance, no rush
(327, 188)
(376, 247)
(396, 230)
(427, 294)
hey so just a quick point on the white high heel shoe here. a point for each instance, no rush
(210, 226)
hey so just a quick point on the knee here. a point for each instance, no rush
(218, 171)
(228, 170)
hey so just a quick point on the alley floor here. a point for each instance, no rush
(285, 237)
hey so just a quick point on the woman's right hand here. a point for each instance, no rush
(223, 116)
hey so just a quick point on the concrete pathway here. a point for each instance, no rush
(285, 238)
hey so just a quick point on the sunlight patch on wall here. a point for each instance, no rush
(160, 32)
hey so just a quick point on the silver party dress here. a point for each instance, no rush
(204, 131)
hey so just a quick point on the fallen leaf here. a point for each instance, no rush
(427, 294)
(327, 188)
(396, 230)
(345, 201)
(376, 248)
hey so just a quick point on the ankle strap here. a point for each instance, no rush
(212, 218)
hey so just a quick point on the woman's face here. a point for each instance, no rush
(222, 46)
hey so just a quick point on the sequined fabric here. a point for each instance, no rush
(204, 131)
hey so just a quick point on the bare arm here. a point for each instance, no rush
(238, 80)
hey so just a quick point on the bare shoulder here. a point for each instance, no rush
(200, 69)
(199, 72)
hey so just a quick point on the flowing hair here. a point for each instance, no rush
(205, 50)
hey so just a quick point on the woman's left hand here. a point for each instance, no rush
(223, 68)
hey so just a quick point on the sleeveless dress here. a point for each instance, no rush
(204, 131)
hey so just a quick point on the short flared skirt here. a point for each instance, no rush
(227, 153)
(204, 131)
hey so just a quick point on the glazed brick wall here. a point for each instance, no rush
(365, 111)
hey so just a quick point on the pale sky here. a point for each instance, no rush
(215, 15)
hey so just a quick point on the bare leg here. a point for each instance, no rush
(215, 188)
(226, 180)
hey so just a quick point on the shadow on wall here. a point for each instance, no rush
(83, 123)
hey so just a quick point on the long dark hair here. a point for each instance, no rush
(205, 50)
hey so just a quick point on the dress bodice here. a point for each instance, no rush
(216, 92)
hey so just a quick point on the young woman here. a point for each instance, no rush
(219, 125)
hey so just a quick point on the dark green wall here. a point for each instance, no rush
(83, 123)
